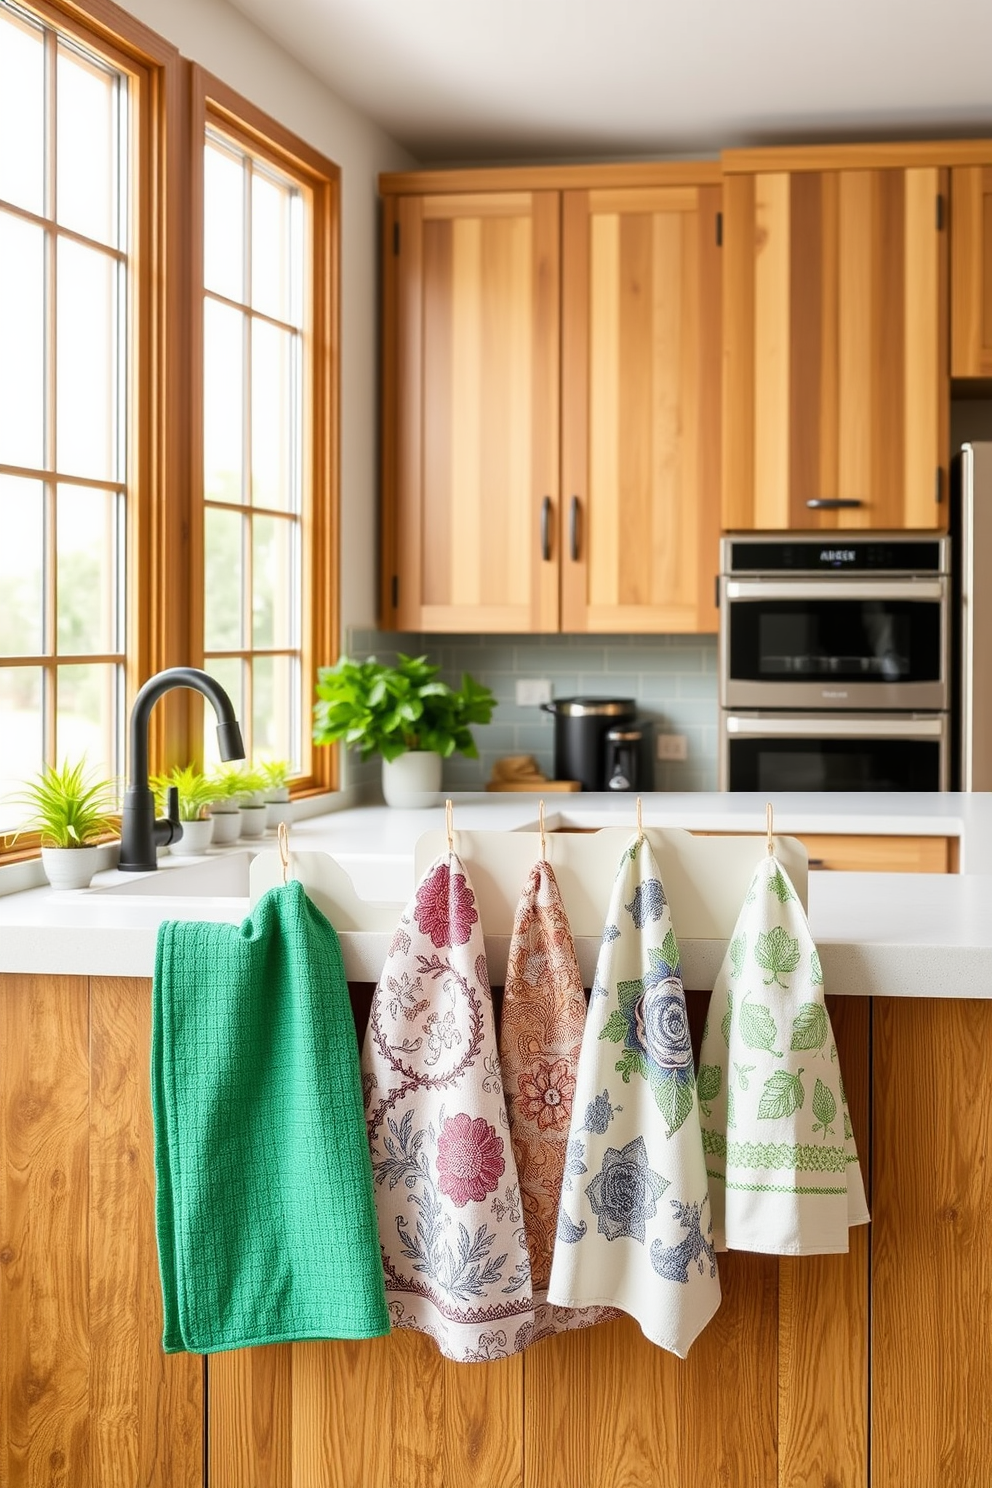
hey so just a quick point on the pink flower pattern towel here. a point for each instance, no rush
(544, 1012)
(451, 1225)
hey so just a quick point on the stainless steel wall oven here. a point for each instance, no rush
(834, 662)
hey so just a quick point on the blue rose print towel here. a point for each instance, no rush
(780, 1153)
(451, 1224)
(634, 1227)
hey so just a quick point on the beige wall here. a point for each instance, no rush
(224, 41)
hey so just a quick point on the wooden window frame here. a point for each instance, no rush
(213, 103)
(157, 514)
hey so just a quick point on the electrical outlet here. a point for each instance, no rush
(673, 747)
(532, 692)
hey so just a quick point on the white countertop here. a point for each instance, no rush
(912, 935)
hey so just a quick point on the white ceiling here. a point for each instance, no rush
(459, 80)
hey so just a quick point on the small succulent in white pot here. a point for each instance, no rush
(276, 775)
(195, 795)
(71, 814)
(225, 804)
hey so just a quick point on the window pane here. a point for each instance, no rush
(223, 392)
(88, 543)
(22, 747)
(223, 223)
(230, 673)
(86, 173)
(22, 551)
(223, 569)
(274, 422)
(22, 341)
(86, 390)
(22, 114)
(272, 264)
(86, 717)
(275, 590)
(276, 708)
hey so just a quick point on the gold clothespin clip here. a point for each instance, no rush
(282, 838)
(449, 814)
(770, 841)
(540, 820)
(640, 823)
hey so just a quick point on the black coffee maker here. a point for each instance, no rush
(583, 751)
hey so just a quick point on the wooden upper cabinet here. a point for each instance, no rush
(471, 412)
(971, 270)
(835, 348)
(640, 408)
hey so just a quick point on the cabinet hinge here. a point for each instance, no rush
(396, 237)
(716, 590)
(395, 591)
(940, 211)
(719, 229)
(938, 488)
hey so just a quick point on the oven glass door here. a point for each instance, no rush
(805, 754)
(803, 646)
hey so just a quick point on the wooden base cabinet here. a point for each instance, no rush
(551, 401)
(775, 1393)
(836, 390)
(971, 269)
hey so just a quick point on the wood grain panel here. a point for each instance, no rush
(146, 1407)
(464, 419)
(737, 486)
(577, 371)
(249, 1402)
(708, 404)
(807, 333)
(886, 155)
(675, 423)
(850, 854)
(477, 205)
(932, 1239)
(545, 423)
(829, 422)
(603, 1405)
(888, 301)
(854, 336)
(771, 351)
(44, 1150)
(643, 200)
(635, 174)
(629, 511)
(926, 386)
(404, 504)
(436, 483)
(602, 497)
(823, 1316)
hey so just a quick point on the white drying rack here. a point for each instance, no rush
(705, 878)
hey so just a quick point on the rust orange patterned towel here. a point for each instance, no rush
(544, 1012)
(451, 1225)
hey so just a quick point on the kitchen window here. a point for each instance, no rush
(133, 534)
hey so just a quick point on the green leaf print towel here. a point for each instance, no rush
(266, 1220)
(780, 1155)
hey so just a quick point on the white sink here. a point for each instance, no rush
(221, 877)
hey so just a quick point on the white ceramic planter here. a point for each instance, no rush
(277, 795)
(276, 812)
(197, 837)
(227, 823)
(253, 820)
(69, 867)
(413, 779)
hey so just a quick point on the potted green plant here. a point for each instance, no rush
(276, 775)
(225, 804)
(195, 795)
(251, 799)
(71, 813)
(405, 714)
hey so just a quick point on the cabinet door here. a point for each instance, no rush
(836, 391)
(640, 409)
(971, 271)
(471, 412)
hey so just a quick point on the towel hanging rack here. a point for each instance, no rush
(769, 834)
(449, 816)
(282, 837)
(540, 825)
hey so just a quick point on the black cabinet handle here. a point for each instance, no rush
(573, 529)
(546, 529)
(831, 503)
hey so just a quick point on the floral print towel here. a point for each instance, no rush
(783, 1167)
(451, 1226)
(634, 1228)
(544, 1011)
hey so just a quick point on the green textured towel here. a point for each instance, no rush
(266, 1219)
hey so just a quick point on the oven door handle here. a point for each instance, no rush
(829, 588)
(831, 726)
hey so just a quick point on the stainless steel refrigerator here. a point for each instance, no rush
(971, 528)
